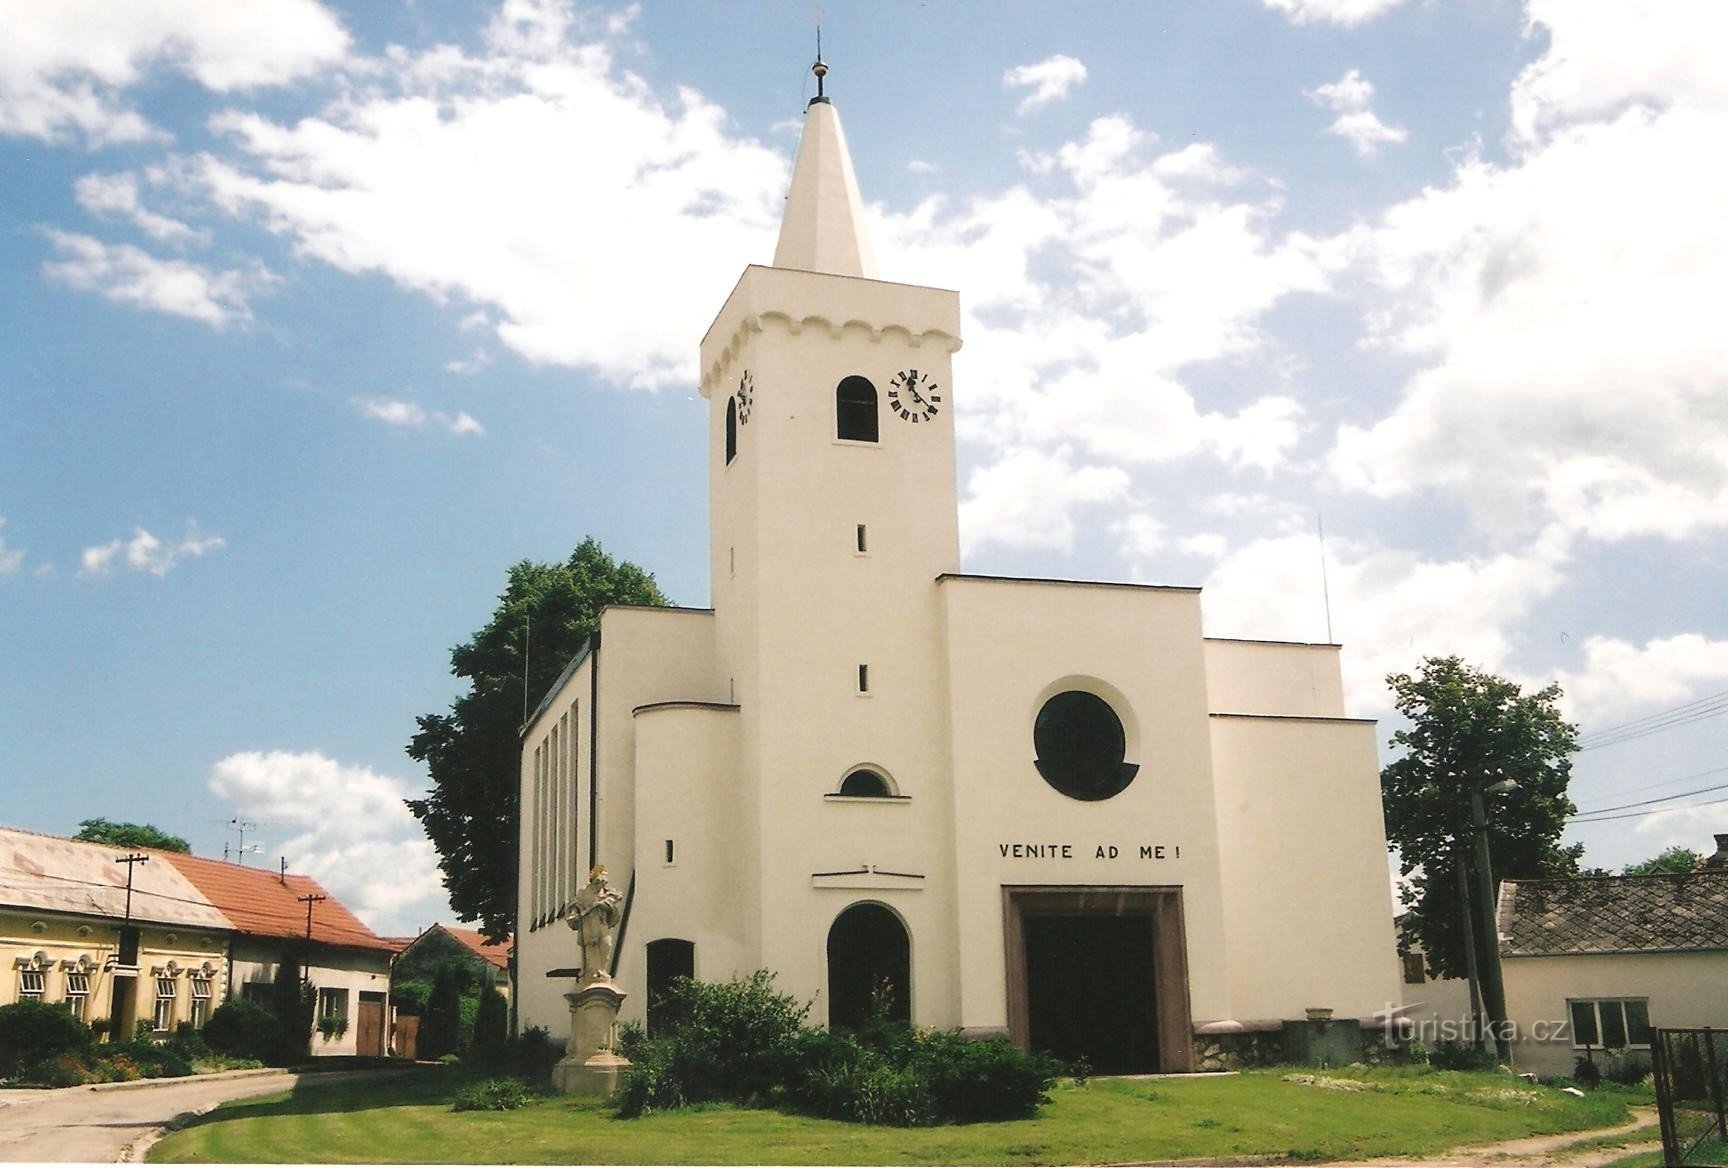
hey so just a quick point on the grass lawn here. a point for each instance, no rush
(1318, 1115)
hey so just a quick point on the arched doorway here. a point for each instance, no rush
(869, 957)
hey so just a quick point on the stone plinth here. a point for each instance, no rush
(590, 1066)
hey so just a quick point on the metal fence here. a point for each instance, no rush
(1691, 1072)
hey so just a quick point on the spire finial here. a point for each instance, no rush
(820, 68)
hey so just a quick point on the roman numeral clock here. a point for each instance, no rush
(913, 396)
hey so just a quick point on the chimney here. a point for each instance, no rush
(1719, 861)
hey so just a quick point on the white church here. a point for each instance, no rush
(1048, 808)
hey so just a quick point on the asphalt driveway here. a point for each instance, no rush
(100, 1124)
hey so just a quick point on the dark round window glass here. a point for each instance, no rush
(865, 783)
(1080, 745)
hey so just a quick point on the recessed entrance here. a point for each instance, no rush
(1099, 973)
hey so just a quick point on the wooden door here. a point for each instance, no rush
(369, 1026)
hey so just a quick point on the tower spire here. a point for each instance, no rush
(822, 228)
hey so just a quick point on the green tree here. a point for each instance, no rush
(293, 1000)
(441, 1024)
(1468, 731)
(129, 835)
(546, 613)
(1674, 859)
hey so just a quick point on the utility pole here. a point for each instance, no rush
(1467, 920)
(310, 899)
(1493, 989)
(130, 859)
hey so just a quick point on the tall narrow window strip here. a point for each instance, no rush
(855, 416)
(863, 679)
(571, 864)
(863, 539)
(731, 429)
(555, 862)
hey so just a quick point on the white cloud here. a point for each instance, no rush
(1348, 97)
(1049, 80)
(439, 177)
(1028, 499)
(1094, 298)
(1343, 12)
(128, 275)
(1689, 827)
(1604, 58)
(65, 65)
(117, 195)
(145, 552)
(347, 827)
(1619, 677)
(406, 415)
(1390, 607)
(11, 559)
(919, 166)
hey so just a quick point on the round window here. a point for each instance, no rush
(1080, 745)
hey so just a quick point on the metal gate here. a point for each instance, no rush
(1691, 1072)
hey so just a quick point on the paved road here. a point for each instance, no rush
(97, 1125)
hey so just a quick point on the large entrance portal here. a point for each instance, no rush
(1099, 973)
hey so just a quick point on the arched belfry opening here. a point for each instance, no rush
(869, 959)
(731, 429)
(855, 417)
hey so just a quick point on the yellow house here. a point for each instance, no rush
(109, 941)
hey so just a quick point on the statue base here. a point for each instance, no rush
(598, 1075)
(590, 1066)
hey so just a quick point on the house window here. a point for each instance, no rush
(30, 985)
(731, 429)
(863, 539)
(1612, 1023)
(855, 410)
(332, 1004)
(1413, 972)
(165, 993)
(77, 994)
(863, 679)
(671, 851)
(200, 1002)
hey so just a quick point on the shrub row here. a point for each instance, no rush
(743, 1042)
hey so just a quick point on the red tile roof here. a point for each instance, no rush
(264, 904)
(495, 952)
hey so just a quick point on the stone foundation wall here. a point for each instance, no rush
(1235, 1046)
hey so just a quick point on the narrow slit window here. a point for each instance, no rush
(863, 539)
(863, 679)
(731, 429)
(671, 852)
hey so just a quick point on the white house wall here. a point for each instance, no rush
(1683, 989)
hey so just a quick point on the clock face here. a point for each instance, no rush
(746, 393)
(914, 396)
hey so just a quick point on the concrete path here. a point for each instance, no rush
(101, 1124)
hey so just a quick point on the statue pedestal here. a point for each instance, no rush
(590, 1066)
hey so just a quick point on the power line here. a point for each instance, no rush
(1657, 811)
(1664, 783)
(1693, 711)
(1648, 802)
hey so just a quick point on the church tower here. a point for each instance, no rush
(831, 483)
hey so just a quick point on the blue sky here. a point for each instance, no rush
(317, 316)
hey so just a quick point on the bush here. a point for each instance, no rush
(982, 1080)
(744, 1043)
(1626, 1067)
(246, 1030)
(410, 997)
(1586, 1073)
(491, 1029)
(63, 1070)
(33, 1032)
(441, 1022)
(533, 1054)
(1461, 1056)
(492, 1095)
(153, 1060)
